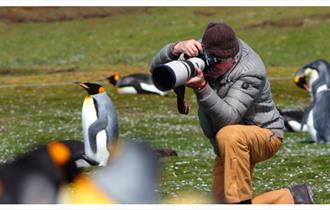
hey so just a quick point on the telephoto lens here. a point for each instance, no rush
(175, 73)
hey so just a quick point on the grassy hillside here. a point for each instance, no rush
(40, 60)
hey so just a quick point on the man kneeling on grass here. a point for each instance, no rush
(237, 114)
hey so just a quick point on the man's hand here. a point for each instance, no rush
(191, 48)
(197, 81)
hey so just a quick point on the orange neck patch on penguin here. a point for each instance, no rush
(116, 77)
(101, 89)
(59, 153)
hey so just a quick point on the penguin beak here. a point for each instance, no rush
(296, 79)
(83, 85)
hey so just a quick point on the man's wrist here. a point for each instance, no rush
(203, 85)
(174, 55)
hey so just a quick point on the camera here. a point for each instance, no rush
(175, 73)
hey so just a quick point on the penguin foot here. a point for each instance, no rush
(89, 160)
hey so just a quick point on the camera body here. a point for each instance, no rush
(175, 73)
(208, 59)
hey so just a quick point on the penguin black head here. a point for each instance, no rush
(62, 156)
(113, 79)
(305, 77)
(299, 78)
(92, 88)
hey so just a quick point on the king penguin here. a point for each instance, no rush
(315, 78)
(134, 84)
(99, 122)
(36, 177)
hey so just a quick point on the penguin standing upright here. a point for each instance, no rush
(315, 78)
(99, 122)
(134, 84)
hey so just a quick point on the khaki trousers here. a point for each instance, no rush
(241, 147)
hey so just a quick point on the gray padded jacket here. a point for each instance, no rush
(241, 96)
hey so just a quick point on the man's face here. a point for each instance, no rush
(221, 68)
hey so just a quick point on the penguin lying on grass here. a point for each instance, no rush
(130, 178)
(293, 119)
(315, 78)
(99, 122)
(36, 177)
(134, 84)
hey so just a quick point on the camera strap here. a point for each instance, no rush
(182, 105)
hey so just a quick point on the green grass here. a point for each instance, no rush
(134, 38)
(39, 102)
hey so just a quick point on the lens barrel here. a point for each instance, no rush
(175, 73)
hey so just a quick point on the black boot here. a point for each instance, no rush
(302, 194)
(245, 202)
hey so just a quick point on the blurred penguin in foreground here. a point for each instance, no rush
(130, 178)
(36, 177)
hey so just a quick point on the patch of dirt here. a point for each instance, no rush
(47, 70)
(287, 22)
(52, 14)
(6, 71)
(204, 13)
(67, 70)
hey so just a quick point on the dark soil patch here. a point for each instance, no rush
(51, 14)
(41, 70)
(204, 13)
(288, 22)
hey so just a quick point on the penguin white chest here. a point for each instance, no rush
(89, 116)
(127, 90)
(152, 88)
(310, 126)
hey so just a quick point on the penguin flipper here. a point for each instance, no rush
(97, 126)
(322, 116)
